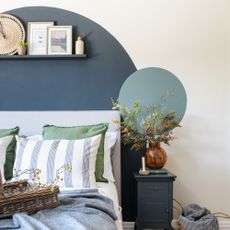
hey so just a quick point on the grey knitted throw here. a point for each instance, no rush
(197, 218)
(78, 210)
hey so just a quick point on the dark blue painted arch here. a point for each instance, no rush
(85, 84)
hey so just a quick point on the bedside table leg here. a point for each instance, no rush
(137, 226)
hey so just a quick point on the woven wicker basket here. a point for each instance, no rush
(20, 197)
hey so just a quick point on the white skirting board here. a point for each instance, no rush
(128, 225)
(224, 224)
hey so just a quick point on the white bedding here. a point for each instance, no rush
(109, 190)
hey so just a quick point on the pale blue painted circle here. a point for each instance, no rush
(149, 84)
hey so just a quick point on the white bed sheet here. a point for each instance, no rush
(109, 190)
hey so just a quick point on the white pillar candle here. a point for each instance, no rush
(143, 163)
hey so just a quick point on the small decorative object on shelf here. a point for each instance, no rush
(22, 47)
(11, 31)
(150, 131)
(79, 46)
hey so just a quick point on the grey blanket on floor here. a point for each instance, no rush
(79, 209)
(197, 218)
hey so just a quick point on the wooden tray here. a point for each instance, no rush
(19, 196)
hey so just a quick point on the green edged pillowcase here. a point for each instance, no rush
(10, 153)
(51, 132)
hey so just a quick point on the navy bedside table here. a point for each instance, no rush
(154, 201)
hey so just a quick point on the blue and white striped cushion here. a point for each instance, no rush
(50, 155)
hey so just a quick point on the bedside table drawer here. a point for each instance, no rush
(155, 187)
(154, 212)
(156, 190)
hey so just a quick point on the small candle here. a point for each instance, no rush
(143, 163)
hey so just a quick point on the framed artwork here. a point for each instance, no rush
(37, 37)
(59, 40)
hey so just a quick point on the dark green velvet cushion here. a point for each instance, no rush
(78, 132)
(10, 153)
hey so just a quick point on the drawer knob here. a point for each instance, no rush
(156, 188)
(167, 211)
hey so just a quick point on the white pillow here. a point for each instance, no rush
(50, 155)
(110, 141)
(4, 142)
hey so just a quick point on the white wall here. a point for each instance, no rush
(190, 38)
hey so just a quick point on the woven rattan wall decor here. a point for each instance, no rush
(11, 32)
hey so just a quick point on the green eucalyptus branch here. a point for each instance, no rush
(155, 127)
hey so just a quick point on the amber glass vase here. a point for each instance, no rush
(155, 156)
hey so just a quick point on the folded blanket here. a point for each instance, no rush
(78, 209)
(197, 218)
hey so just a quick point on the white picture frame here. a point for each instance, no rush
(59, 40)
(37, 37)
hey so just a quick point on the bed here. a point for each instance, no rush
(31, 122)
